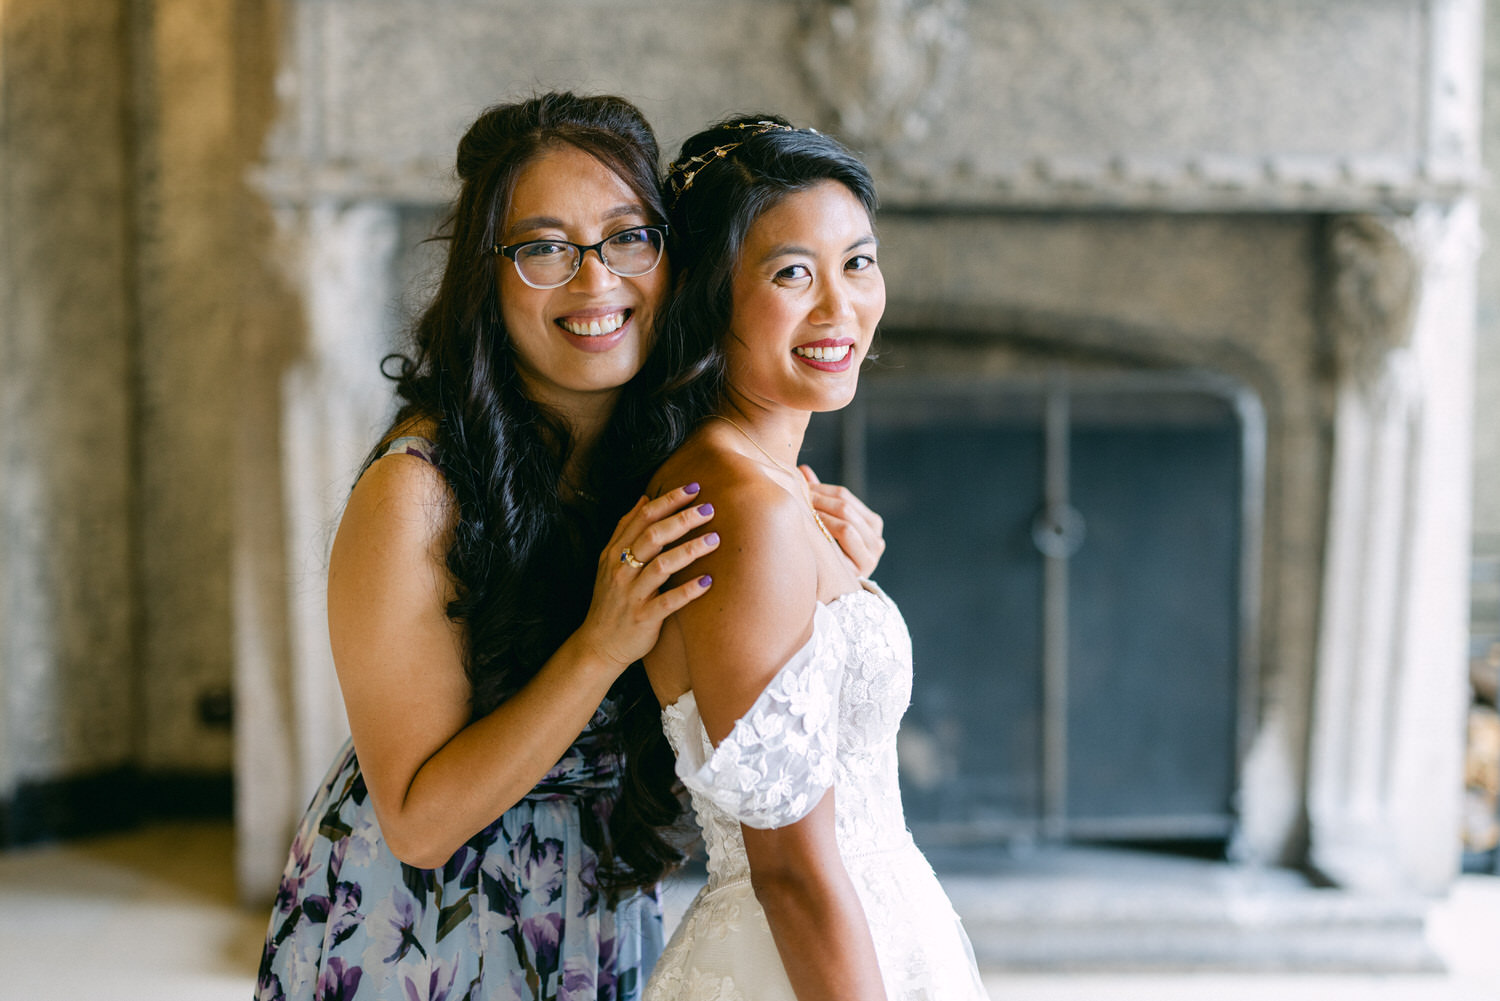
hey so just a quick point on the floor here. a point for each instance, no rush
(151, 915)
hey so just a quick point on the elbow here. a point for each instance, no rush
(781, 887)
(410, 847)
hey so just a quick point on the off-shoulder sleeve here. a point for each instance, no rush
(779, 758)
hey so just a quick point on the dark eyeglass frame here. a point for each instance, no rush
(510, 251)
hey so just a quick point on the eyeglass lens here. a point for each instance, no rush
(629, 254)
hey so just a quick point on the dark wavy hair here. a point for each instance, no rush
(714, 198)
(522, 558)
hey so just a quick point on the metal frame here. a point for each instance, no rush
(1056, 389)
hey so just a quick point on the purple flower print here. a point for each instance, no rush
(338, 981)
(541, 867)
(296, 875)
(578, 981)
(393, 927)
(543, 934)
(588, 879)
(429, 981)
(346, 918)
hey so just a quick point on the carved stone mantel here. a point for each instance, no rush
(984, 120)
(1395, 602)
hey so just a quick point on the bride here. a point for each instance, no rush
(785, 686)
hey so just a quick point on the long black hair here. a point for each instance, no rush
(522, 558)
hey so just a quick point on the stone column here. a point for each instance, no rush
(68, 660)
(333, 403)
(1385, 781)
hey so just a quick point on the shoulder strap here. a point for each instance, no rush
(413, 444)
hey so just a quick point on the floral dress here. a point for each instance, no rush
(515, 915)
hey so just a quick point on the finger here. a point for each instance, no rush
(648, 510)
(659, 534)
(672, 500)
(808, 475)
(863, 548)
(854, 543)
(840, 498)
(842, 504)
(678, 558)
(668, 602)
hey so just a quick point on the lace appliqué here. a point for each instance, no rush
(723, 949)
(779, 758)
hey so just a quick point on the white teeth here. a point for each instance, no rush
(596, 327)
(824, 354)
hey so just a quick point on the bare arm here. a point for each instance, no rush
(435, 778)
(731, 646)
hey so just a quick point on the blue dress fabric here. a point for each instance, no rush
(515, 915)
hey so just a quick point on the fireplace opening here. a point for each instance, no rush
(1074, 552)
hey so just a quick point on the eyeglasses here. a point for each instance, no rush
(545, 264)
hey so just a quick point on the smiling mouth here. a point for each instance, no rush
(597, 326)
(824, 354)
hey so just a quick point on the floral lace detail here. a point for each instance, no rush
(778, 760)
(857, 665)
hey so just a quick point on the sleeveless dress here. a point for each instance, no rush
(514, 915)
(828, 718)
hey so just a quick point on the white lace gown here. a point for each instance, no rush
(828, 718)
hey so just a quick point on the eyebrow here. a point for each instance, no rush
(552, 222)
(789, 249)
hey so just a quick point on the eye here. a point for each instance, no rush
(630, 237)
(542, 249)
(862, 262)
(793, 273)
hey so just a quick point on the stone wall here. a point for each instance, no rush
(204, 243)
(1487, 372)
(136, 281)
(69, 689)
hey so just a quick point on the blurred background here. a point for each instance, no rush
(1183, 423)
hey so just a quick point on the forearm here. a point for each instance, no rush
(821, 932)
(489, 765)
(815, 915)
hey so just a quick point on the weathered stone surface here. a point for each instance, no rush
(67, 694)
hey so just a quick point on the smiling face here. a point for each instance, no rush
(577, 344)
(808, 294)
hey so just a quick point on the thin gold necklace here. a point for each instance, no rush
(751, 438)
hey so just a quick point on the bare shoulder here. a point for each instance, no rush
(760, 609)
(396, 528)
(756, 516)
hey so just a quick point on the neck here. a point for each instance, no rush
(585, 416)
(779, 432)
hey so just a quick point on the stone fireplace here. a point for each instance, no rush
(1190, 285)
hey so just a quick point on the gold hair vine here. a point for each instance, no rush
(680, 177)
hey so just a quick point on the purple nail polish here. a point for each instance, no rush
(691, 488)
(705, 580)
(712, 538)
(706, 510)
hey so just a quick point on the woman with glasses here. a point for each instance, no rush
(784, 690)
(472, 840)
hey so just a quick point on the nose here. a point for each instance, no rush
(834, 305)
(592, 274)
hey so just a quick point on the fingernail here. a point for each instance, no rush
(706, 510)
(691, 488)
(712, 538)
(705, 580)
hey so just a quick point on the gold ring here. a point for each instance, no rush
(626, 556)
